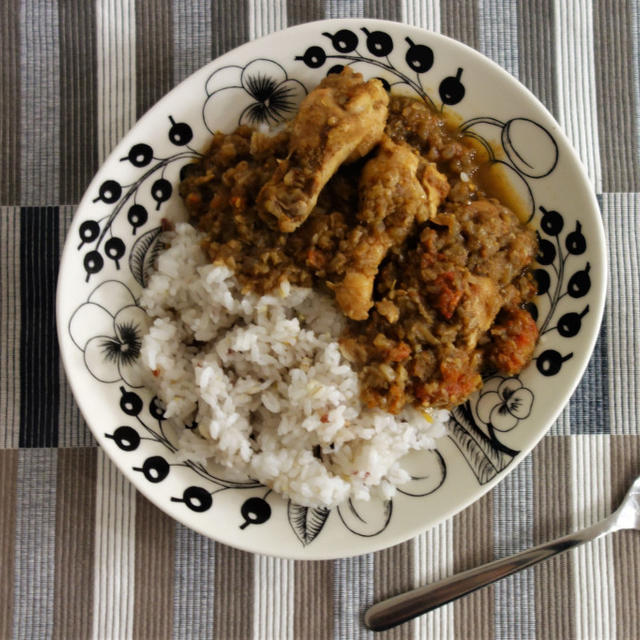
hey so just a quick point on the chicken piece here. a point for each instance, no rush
(436, 187)
(396, 188)
(339, 121)
(478, 308)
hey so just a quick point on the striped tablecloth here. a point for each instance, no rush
(83, 555)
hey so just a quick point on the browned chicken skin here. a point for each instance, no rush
(396, 188)
(339, 121)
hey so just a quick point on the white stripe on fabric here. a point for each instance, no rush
(342, 9)
(352, 593)
(432, 561)
(513, 532)
(574, 56)
(273, 580)
(193, 587)
(498, 32)
(39, 103)
(114, 556)
(10, 327)
(266, 16)
(422, 13)
(116, 61)
(621, 213)
(192, 37)
(595, 612)
(34, 569)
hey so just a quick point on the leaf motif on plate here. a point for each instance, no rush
(307, 522)
(483, 456)
(143, 254)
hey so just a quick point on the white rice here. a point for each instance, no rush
(265, 381)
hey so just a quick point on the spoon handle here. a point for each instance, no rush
(405, 606)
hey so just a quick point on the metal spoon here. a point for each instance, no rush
(405, 606)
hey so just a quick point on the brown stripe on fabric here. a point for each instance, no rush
(393, 574)
(299, 11)
(9, 102)
(233, 593)
(536, 64)
(459, 20)
(553, 580)
(8, 476)
(75, 535)
(230, 24)
(625, 468)
(154, 568)
(154, 52)
(472, 546)
(78, 98)
(313, 599)
(614, 69)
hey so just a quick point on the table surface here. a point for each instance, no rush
(82, 554)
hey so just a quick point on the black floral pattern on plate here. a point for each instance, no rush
(261, 91)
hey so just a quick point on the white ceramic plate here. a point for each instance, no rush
(112, 242)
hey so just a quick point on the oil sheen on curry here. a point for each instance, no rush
(375, 199)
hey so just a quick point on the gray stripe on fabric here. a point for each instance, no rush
(588, 405)
(72, 429)
(78, 98)
(352, 592)
(230, 25)
(498, 32)
(10, 130)
(154, 52)
(193, 588)
(421, 13)
(33, 581)
(512, 531)
(537, 65)
(460, 21)
(363, 9)
(616, 71)
(191, 37)
(10, 327)
(621, 213)
(299, 11)
(266, 17)
(39, 103)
